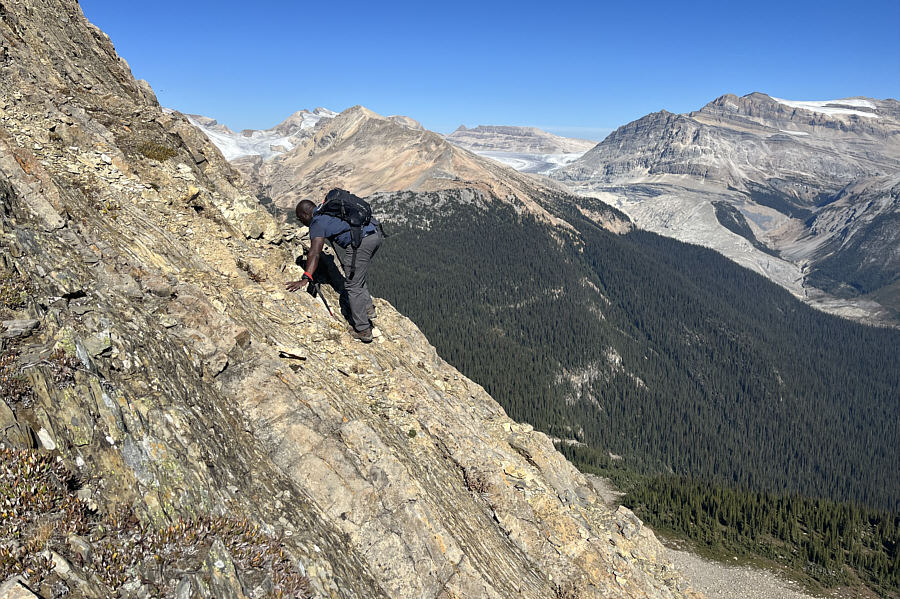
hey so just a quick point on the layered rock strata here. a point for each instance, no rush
(128, 245)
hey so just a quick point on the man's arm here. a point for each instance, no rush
(312, 261)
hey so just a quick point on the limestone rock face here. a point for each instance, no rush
(202, 388)
(780, 164)
(754, 138)
(14, 589)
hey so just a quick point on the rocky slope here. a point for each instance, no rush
(526, 149)
(147, 342)
(853, 242)
(775, 164)
(797, 150)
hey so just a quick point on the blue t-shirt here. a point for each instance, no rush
(335, 229)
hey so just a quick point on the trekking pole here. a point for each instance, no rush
(313, 288)
(326, 305)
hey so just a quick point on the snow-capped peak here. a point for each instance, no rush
(265, 143)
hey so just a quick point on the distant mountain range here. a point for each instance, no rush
(369, 153)
(805, 193)
(525, 149)
(802, 192)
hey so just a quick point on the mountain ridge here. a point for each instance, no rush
(368, 153)
(777, 163)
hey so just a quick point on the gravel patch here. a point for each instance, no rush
(720, 581)
(603, 487)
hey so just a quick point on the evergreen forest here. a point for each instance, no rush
(698, 375)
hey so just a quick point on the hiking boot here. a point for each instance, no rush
(370, 312)
(365, 335)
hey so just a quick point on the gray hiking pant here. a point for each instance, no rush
(357, 295)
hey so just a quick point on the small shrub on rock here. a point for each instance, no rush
(156, 151)
(14, 292)
(14, 387)
(476, 481)
(41, 513)
(63, 367)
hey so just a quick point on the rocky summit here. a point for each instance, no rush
(174, 424)
(773, 184)
(369, 153)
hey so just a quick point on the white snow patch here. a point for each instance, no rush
(797, 133)
(311, 119)
(827, 106)
(234, 145)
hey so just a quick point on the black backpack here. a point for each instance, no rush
(351, 209)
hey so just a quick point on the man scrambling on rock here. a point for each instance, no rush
(355, 241)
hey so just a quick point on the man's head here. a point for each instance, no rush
(305, 209)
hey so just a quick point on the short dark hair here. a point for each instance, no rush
(304, 207)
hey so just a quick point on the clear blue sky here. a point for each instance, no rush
(576, 68)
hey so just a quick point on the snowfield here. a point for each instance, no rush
(797, 133)
(827, 106)
(234, 145)
(267, 143)
(532, 163)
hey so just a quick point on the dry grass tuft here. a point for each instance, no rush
(156, 151)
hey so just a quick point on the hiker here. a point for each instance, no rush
(355, 261)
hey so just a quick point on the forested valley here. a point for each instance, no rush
(707, 379)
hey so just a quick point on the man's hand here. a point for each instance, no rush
(295, 285)
(312, 260)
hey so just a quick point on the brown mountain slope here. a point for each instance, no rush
(367, 153)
